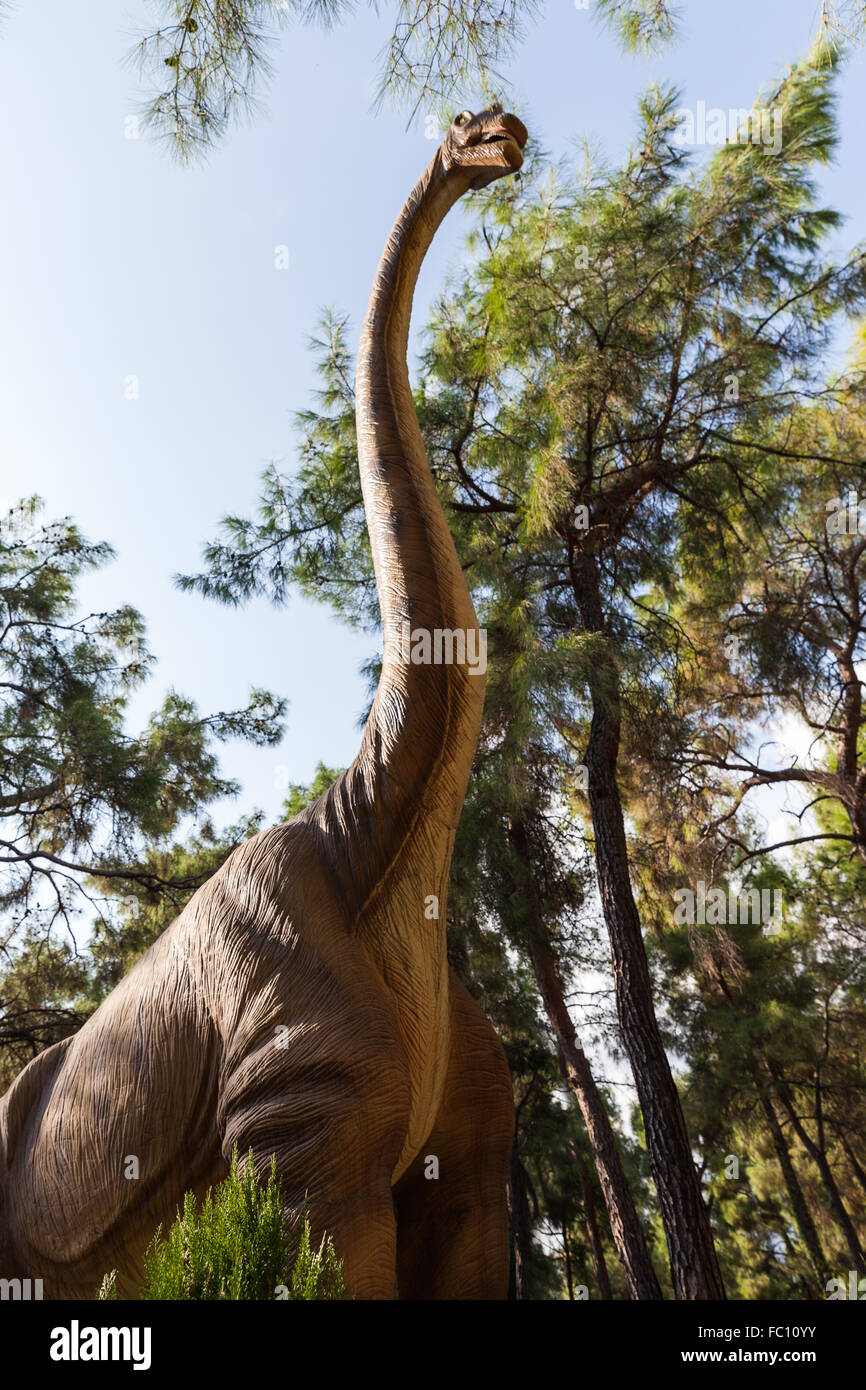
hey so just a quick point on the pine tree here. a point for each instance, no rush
(88, 810)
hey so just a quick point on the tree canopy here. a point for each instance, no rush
(90, 812)
(204, 62)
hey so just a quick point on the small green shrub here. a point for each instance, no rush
(237, 1246)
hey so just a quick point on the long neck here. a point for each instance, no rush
(420, 739)
(418, 574)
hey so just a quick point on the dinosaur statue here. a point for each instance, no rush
(302, 1005)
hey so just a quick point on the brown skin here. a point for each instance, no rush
(302, 1004)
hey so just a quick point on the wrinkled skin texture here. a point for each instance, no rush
(302, 1004)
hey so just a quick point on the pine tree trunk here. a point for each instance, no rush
(694, 1266)
(628, 1236)
(569, 1278)
(593, 1233)
(855, 1166)
(819, 1156)
(799, 1206)
(521, 1225)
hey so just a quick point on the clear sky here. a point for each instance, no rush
(115, 262)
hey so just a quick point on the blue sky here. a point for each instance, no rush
(116, 262)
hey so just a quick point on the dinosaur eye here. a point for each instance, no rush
(464, 118)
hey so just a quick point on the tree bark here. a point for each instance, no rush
(625, 1225)
(799, 1206)
(626, 1230)
(819, 1156)
(569, 1279)
(856, 1169)
(694, 1267)
(593, 1232)
(519, 1219)
(851, 709)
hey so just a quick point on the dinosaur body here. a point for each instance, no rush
(302, 1004)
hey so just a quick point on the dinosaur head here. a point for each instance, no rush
(491, 143)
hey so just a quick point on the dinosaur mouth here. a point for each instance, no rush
(497, 151)
(503, 138)
(503, 147)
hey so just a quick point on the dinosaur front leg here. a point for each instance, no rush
(452, 1222)
(340, 1179)
(364, 1232)
(328, 1097)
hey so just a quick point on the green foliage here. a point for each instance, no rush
(236, 1245)
(301, 796)
(642, 26)
(89, 809)
(316, 1273)
(440, 50)
(646, 26)
(206, 56)
(44, 989)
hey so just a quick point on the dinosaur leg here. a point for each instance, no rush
(363, 1230)
(452, 1229)
(343, 1186)
(332, 1107)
